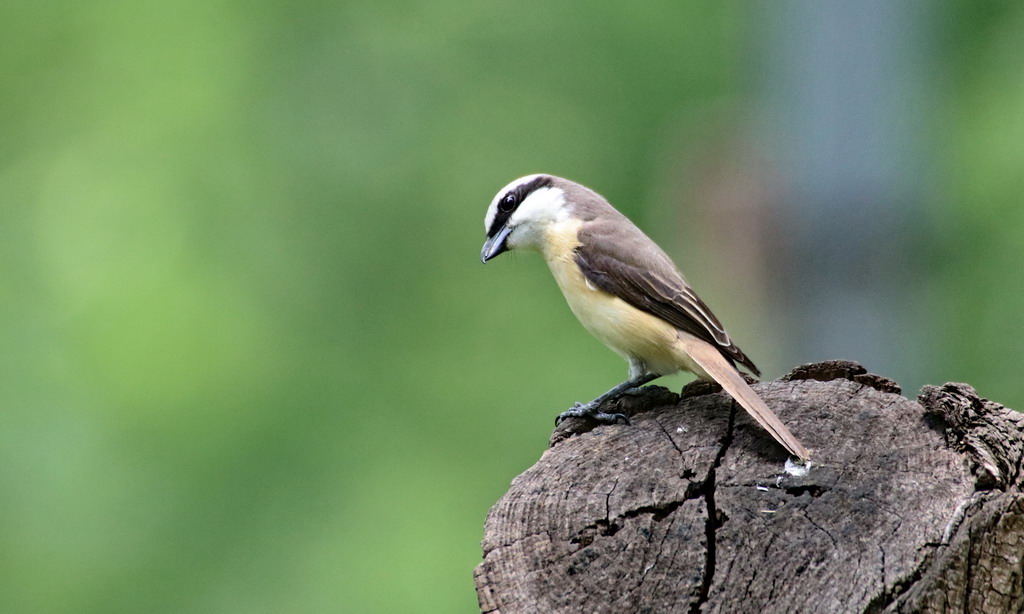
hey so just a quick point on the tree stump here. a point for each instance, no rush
(907, 506)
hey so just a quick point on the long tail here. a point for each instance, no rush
(712, 361)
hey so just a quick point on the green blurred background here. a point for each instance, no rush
(251, 361)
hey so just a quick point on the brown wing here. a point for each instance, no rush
(632, 267)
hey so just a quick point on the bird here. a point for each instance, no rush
(625, 291)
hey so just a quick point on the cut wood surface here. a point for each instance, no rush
(907, 505)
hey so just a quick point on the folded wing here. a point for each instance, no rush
(633, 268)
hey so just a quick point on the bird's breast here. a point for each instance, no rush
(630, 332)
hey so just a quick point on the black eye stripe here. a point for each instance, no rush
(515, 197)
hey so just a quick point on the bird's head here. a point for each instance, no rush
(521, 212)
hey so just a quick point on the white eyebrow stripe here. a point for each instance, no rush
(492, 209)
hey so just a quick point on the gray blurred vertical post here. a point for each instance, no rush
(844, 125)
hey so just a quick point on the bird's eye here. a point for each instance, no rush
(506, 204)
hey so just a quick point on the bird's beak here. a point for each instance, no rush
(495, 245)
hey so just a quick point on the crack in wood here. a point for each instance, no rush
(893, 487)
(713, 521)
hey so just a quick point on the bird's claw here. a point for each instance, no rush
(604, 418)
(588, 410)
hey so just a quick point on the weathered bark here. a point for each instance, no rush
(908, 506)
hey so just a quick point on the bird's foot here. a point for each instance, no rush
(590, 411)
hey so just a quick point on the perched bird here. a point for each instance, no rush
(625, 290)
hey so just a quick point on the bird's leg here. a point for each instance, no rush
(590, 410)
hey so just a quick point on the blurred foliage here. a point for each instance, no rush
(980, 286)
(252, 362)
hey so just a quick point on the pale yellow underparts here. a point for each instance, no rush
(628, 331)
